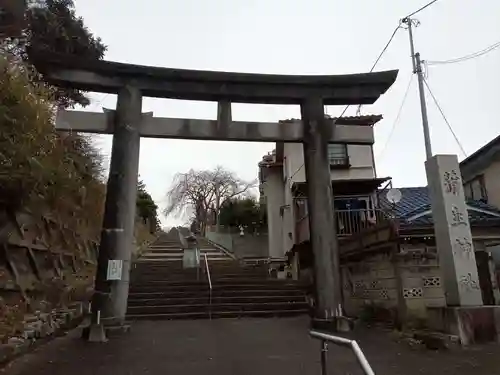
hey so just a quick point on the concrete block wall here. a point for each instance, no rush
(370, 282)
(421, 281)
(223, 239)
(410, 281)
(249, 245)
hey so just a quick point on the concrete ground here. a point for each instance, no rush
(246, 346)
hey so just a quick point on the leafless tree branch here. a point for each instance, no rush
(197, 193)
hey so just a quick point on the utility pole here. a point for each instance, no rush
(417, 69)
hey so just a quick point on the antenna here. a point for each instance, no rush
(394, 196)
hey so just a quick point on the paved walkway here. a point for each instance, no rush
(241, 347)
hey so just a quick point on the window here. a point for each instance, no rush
(337, 154)
(468, 191)
(475, 189)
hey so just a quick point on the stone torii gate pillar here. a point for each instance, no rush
(323, 235)
(109, 303)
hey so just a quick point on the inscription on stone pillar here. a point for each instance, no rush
(452, 231)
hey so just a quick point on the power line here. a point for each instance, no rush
(466, 57)
(445, 119)
(398, 117)
(421, 9)
(371, 70)
(385, 48)
(358, 111)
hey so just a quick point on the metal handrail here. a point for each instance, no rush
(341, 341)
(207, 268)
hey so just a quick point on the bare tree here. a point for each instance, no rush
(227, 185)
(197, 193)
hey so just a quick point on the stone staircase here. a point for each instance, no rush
(161, 289)
(168, 248)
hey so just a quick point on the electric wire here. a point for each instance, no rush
(385, 47)
(358, 111)
(445, 119)
(466, 57)
(421, 9)
(398, 117)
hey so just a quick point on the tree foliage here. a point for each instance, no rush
(40, 168)
(53, 27)
(243, 211)
(202, 193)
(147, 210)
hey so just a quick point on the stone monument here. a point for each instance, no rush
(452, 232)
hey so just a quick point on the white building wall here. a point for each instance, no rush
(288, 219)
(360, 158)
(274, 190)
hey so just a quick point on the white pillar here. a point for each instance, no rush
(274, 192)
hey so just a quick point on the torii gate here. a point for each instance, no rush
(128, 124)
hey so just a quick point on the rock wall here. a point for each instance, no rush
(44, 267)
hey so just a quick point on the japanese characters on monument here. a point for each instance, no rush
(460, 232)
(452, 231)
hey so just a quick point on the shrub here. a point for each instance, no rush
(40, 168)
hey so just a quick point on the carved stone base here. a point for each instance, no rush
(473, 325)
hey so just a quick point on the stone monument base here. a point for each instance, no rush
(471, 324)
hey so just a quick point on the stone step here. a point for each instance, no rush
(219, 282)
(216, 307)
(176, 250)
(133, 302)
(177, 247)
(158, 254)
(181, 288)
(160, 260)
(220, 314)
(215, 293)
(142, 278)
(189, 274)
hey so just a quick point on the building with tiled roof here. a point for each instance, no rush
(414, 209)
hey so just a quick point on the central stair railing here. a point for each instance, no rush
(209, 277)
(341, 341)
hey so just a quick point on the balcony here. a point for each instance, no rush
(354, 221)
(348, 222)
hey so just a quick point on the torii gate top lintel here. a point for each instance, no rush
(110, 77)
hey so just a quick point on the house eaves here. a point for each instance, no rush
(473, 165)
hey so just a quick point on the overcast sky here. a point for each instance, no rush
(307, 37)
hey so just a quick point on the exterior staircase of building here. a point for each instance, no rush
(162, 289)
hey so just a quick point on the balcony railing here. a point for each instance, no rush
(338, 161)
(348, 222)
(354, 221)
